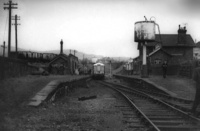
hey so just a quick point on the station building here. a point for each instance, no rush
(176, 49)
(63, 64)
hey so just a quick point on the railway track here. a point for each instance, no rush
(133, 118)
(180, 103)
(157, 113)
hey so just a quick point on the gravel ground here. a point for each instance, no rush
(16, 92)
(70, 114)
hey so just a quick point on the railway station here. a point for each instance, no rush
(99, 66)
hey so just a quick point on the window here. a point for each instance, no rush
(157, 61)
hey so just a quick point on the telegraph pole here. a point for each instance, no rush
(74, 52)
(16, 24)
(10, 7)
(83, 64)
(4, 46)
(110, 70)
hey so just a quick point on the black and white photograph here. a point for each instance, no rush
(99, 65)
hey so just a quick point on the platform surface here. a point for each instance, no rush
(42, 95)
(174, 85)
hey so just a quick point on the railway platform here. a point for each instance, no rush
(47, 90)
(176, 86)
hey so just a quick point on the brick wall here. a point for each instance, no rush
(14, 68)
(171, 70)
(178, 57)
(187, 54)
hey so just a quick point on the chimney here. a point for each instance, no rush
(182, 35)
(61, 47)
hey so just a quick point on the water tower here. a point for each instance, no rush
(144, 32)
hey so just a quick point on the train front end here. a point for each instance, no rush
(98, 71)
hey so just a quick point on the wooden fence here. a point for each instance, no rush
(14, 68)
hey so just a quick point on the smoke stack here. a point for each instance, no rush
(61, 47)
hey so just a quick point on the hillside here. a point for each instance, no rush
(80, 55)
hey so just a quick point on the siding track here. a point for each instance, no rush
(159, 114)
(180, 103)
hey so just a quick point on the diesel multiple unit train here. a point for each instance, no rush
(98, 71)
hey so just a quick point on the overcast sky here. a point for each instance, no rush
(103, 27)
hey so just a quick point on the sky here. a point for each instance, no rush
(101, 27)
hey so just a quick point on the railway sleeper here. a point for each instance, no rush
(136, 126)
(135, 121)
(164, 118)
(130, 117)
(127, 109)
(159, 114)
(169, 122)
(124, 114)
(153, 110)
(179, 128)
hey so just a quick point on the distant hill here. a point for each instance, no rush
(80, 55)
(88, 56)
(6, 50)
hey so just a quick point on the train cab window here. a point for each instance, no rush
(98, 68)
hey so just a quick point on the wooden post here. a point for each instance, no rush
(4, 46)
(10, 7)
(110, 69)
(16, 24)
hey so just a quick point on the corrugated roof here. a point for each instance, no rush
(171, 40)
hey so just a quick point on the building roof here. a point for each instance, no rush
(156, 50)
(171, 40)
(63, 56)
(71, 55)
